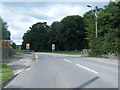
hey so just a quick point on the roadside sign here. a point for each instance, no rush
(53, 47)
(5, 43)
(28, 46)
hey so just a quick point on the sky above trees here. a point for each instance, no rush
(20, 16)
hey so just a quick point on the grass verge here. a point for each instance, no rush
(20, 52)
(67, 52)
(5, 72)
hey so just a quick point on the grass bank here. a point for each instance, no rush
(67, 52)
(5, 72)
(20, 52)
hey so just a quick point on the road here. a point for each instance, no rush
(67, 71)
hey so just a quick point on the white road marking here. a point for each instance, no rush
(87, 69)
(28, 69)
(22, 70)
(19, 71)
(83, 67)
(68, 61)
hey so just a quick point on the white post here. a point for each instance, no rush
(96, 20)
(33, 56)
(96, 26)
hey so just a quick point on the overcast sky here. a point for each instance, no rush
(21, 15)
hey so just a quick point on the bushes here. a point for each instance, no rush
(108, 30)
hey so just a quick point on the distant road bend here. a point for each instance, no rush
(67, 71)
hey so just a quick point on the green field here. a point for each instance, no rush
(67, 52)
(5, 72)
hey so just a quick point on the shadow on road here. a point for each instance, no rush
(16, 67)
(13, 59)
(86, 83)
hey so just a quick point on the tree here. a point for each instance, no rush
(36, 37)
(72, 33)
(109, 20)
(53, 32)
(68, 34)
(5, 33)
(108, 29)
(14, 46)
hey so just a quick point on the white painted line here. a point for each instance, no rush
(19, 71)
(28, 69)
(68, 61)
(87, 69)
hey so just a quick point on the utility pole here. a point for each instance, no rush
(96, 20)
(95, 13)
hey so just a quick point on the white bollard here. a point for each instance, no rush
(33, 56)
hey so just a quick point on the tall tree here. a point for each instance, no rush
(4, 28)
(53, 32)
(36, 36)
(72, 33)
(68, 34)
(108, 29)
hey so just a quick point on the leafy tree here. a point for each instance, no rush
(68, 34)
(109, 21)
(36, 37)
(5, 33)
(14, 46)
(53, 32)
(108, 29)
(72, 33)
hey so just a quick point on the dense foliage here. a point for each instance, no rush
(4, 30)
(77, 33)
(68, 34)
(108, 29)
(36, 37)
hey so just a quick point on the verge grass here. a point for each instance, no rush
(20, 52)
(5, 72)
(67, 52)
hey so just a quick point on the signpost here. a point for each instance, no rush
(53, 47)
(27, 46)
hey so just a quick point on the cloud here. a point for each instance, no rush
(17, 41)
(18, 23)
(20, 16)
(56, 0)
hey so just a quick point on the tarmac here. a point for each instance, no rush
(17, 63)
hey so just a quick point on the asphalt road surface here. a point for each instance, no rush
(67, 71)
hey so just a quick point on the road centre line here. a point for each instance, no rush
(83, 67)
(68, 61)
(87, 69)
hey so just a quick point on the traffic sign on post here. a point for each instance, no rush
(53, 47)
(27, 46)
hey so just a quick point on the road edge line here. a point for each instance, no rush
(68, 61)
